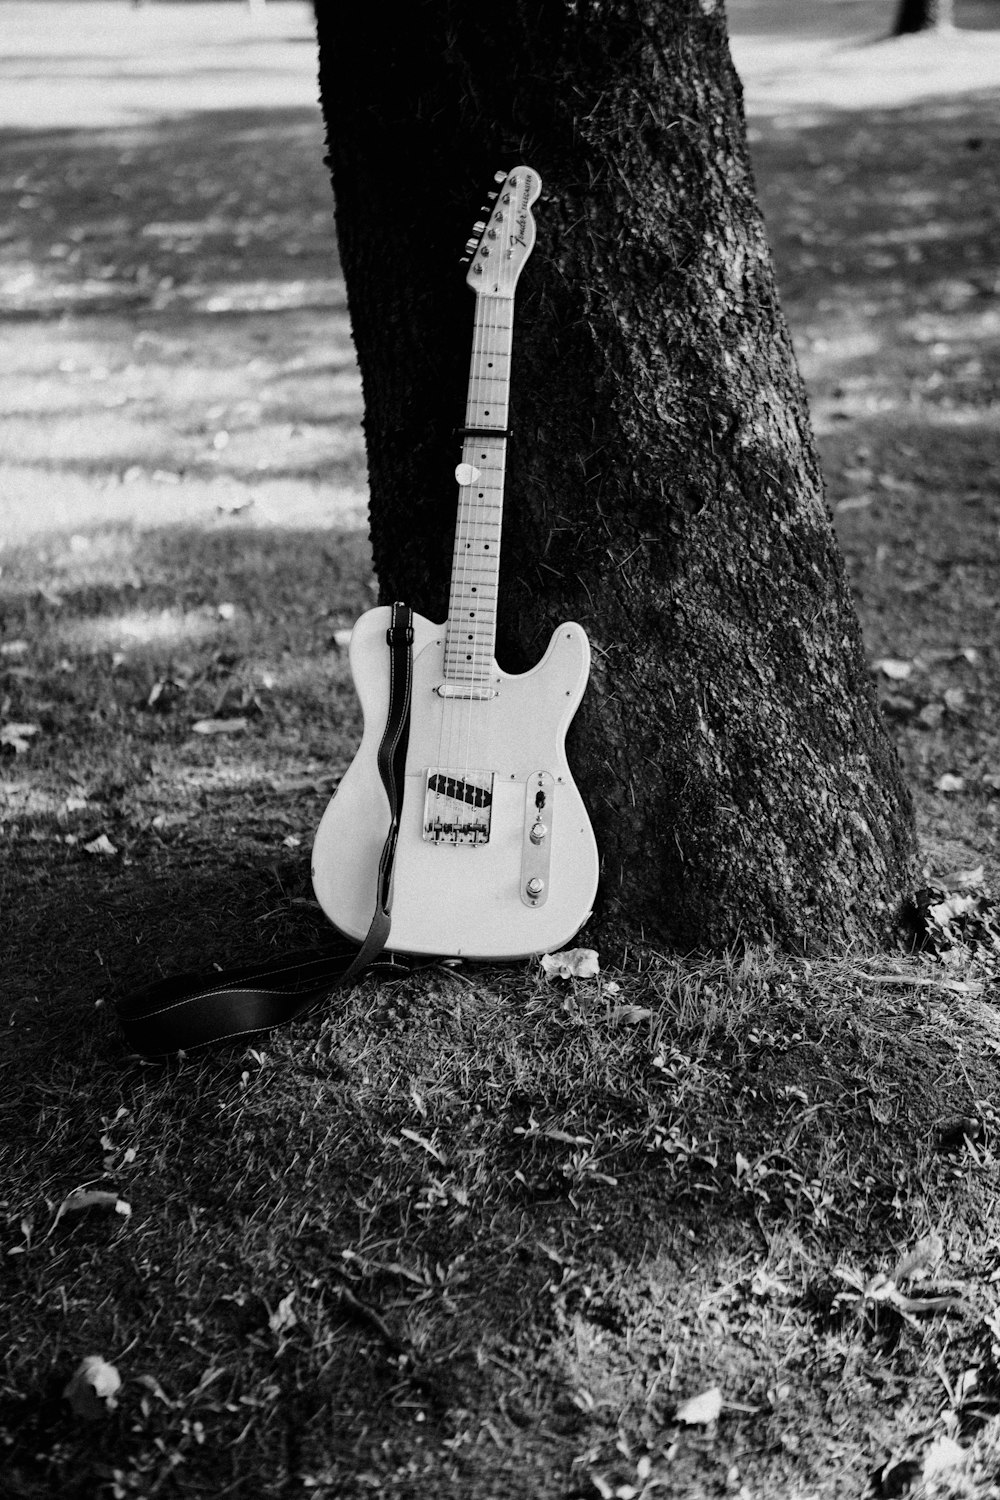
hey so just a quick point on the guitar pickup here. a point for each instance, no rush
(474, 692)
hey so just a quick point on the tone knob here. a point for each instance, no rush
(535, 887)
(538, 832)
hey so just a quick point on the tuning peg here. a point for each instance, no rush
(479, 225)
(499, 176)
(470, 245)
(491, 198)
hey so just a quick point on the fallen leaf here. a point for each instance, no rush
(943, 1454)
(924, 1256)
(553, 1133)
(226, 611)
(16, 736)
(92, 1390)
(950, 783)
(572, 963)
(893, 668)
(700, 1410)
(925, 1304)
(945, 911)
(83, 1198)
(219, 726)
(284, 1316)
(101, 845)
(631, 1015)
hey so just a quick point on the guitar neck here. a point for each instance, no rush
(470, 638)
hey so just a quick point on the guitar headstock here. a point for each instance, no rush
(501, 243)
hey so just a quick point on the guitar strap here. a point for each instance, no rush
(193, 1010)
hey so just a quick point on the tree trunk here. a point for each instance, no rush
(923, 15)
(662, 482)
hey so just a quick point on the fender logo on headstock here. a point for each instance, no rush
(522, 216)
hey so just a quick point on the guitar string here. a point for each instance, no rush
(493, 344)
(471, 578)
(493, 499)
(469, 713)
(502, 343)
(452, 709)
(474, 418)
(481, 460)
(445, 805)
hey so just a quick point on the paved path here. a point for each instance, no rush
(92, 64)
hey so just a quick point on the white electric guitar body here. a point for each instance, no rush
(495, 856)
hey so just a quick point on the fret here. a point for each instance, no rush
(470, 638)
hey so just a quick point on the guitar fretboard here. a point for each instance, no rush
(470, 637)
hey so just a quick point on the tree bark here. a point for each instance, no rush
(662, 482)
(923, 15)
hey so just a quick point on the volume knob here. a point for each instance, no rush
(535, 887)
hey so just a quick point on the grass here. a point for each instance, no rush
(470, 1233)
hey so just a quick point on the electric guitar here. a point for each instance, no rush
(495, 856)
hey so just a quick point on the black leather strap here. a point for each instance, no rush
(189, 1011)
(391, 762)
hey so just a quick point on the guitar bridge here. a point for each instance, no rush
(458, 806)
